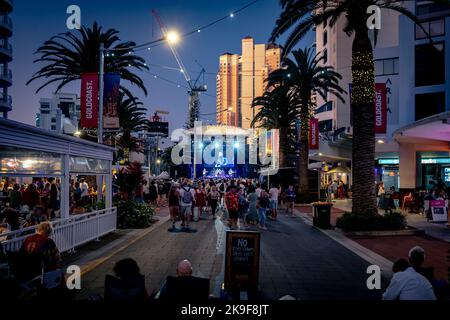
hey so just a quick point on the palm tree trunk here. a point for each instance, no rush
(362, 101)
(303, 163)
(283, 146)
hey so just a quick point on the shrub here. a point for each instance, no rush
(361, 222)
(133, 215)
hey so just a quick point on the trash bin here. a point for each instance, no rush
(322, 216)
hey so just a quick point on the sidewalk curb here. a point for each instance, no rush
(101, 256)
(364, 253)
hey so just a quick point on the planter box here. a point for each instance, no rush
(407, 232)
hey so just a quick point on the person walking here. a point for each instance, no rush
(213, 200)
(187, 196)
(252, 214)
(232, 204)
(273, 196)
(290, 198)
(174, 204)
(200, 200)
(262, 205)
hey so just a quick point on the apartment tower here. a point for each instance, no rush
(241, 78)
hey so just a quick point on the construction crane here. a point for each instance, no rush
(196, 85)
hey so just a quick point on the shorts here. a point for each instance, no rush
(186, 210)
(273, 204)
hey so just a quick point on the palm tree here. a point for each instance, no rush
(303, 15)
(278, 110)
(306, 77)
(68, 55)
(131, 119)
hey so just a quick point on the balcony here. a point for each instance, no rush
(6, 52)
(6, 78)
(5, 102)
(5, 26)
(6, 6)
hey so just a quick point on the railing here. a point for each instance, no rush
(5, 20)
(6, 75)
(6, 48)
(68, 233)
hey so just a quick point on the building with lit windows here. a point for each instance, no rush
(6, 28)
(241, 78)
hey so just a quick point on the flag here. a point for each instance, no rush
(89, 100)
(111, 101)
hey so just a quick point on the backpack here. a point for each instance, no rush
(187, 196)
(222, 187)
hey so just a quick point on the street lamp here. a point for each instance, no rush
(172, 37)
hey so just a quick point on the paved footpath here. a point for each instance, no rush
(295, 259)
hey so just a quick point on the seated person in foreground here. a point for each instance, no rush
(128, 285)
(408, 284)
(185, 287)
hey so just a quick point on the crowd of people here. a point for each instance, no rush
(25, 205)
(245, 202)
(28, 204)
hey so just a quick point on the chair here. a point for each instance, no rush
(185, 289)
(119, 290)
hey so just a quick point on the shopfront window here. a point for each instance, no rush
(88, 165)
(27, 162)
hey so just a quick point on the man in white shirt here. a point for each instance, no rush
(409, 285)
(84, 189)
(258, 190)
(273, 195)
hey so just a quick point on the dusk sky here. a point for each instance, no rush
(36, 21)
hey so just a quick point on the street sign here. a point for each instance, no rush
(242, 260)
(159, 127)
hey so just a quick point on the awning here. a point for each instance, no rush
(436, 127)
(339, 170)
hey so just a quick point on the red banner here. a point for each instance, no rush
(380, 106)
(313, 134)
(89, 100)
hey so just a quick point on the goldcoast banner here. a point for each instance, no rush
(111, 101)
(89, 102)
(313, 134)
(380, 108)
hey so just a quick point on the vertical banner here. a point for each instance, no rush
(380, 106)
(111, 101)
(313, 134)
(89, 100)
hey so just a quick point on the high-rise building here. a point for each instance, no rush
(59, 114)
(241, 78)
(5, 57)
(412, 150)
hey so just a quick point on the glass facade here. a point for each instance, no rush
(27, 162)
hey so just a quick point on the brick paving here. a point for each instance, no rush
(295, 259)
(394, 247)
(308, 210)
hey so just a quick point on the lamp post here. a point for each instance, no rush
(100, 89)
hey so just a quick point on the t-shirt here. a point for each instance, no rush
(258, 192)
(290, 195)
(182, 191)
(84, 189)
(273, 193)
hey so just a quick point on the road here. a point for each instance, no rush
(295, 259)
